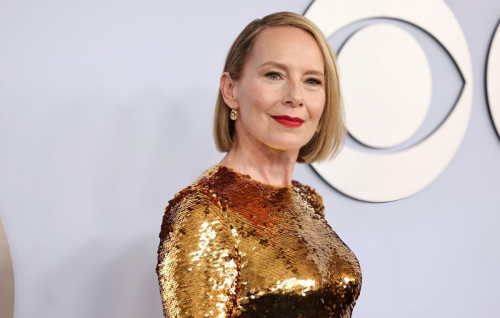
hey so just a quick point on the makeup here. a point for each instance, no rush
(289, 121)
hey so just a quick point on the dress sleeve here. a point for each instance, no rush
(198, 260)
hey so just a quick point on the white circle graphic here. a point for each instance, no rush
(493, 79)
(381, 115)
(382, 177)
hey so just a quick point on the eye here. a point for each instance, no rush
(429, 132)
(314, 81)
(272, 74)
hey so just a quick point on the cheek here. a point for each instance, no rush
(261, 98)
(317, 107)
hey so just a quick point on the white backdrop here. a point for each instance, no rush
(106, 111)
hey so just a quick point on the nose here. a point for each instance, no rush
(294, 95)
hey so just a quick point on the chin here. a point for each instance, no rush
(280, 145)
(284, 140)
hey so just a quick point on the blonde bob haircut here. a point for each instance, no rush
(326, 143)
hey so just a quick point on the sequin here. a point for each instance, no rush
(231, 246)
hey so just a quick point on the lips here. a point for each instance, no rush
(289, 121)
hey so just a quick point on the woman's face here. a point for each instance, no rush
(283, 76)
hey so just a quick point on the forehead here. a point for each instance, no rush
(286, 44)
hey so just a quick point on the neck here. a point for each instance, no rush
(261, 162)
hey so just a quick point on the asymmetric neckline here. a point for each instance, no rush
(249, 178)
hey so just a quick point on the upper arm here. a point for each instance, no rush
(198, 261)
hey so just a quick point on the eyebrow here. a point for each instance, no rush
(283, 66)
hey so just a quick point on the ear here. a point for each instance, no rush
(227, 88)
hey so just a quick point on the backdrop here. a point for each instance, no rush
(106, 111)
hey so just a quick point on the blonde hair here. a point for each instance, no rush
(326, 143)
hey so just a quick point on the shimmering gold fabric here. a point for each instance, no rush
(231, 246)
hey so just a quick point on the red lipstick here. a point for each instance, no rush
(289, 121)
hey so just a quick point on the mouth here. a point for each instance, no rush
(289, 121)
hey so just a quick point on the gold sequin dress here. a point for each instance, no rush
(231, 246)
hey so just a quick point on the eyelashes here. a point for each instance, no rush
(315, 80)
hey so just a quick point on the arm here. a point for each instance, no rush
(198, 261)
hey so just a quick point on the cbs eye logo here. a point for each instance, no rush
(493, 79)
(387, 94)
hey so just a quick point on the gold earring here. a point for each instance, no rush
(233, 115)
(317, 129)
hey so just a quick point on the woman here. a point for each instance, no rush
(244, 239)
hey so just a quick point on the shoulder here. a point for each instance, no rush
(197, 192)
(311, 196)
(191, 206)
